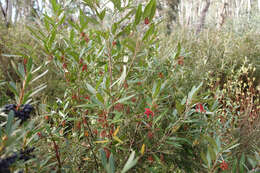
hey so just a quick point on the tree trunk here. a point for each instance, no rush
(9, 13)
(203, 17)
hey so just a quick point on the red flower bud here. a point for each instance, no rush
(160, 75)
(95, 131)
(84, 121)
(181, 61)
(25, 61)
(82, 34)
(80, 61)
(114, 43)
(79, 125)
(103, 134)
(64, 65)
(62, 58)
(86, 39)
(146, 21)
(39, 134)
(74, 97)
(107, 153)
(150, 135)
(200, 108)
(150, 158)
(84, 67)
(63, 123)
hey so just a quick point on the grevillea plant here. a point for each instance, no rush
(123, 108)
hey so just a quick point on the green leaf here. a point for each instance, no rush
(131, 162)
(178, 50)
(29, 64)
(39, 76)
(241, 164)
(52, 37)
(153, 10)
(92, 20)
(138, 15)
(102, 14)
(13, 88)
(114, 28)
(103, 157)
(252, 161)
(193, 93)
(212, 142)
(21, 71)
(91, 89)
(9, 122)
(149, 32)
(234, 167)
(112, 164)
(55, 6)
(122, 100)
(117, 4)
(212, 153)
(148, 8)
(82, 20)
(100, 98)
(28, 79)
(208, 159)
(156, 89)
(38, 89)
(203, 156)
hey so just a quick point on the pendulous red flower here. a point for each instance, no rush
(146, 21)
(200, 108)
(84, 67)
(148, 112)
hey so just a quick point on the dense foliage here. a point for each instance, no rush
(112, 93)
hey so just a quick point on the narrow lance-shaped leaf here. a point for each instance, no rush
(38, 89)
(148, 8)
(90, 88)
(13, 88)
(39, 76)
(103, 157)
(153, 10)
(100, 98)
(149, 32)
(131, 162)
(9, 122)
(138, 15)
(112, 168)
(29, 65)
(156, 89)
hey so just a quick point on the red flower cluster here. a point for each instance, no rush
(224, 165)
(148, 112)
